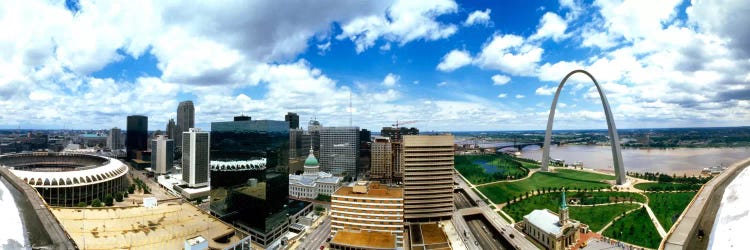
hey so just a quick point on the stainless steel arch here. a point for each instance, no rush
(613, 137)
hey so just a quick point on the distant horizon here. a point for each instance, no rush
(425, 131)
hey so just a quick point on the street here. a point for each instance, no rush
(317, 237)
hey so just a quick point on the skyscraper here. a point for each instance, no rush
(396, 136)
(381, 159)
(162, 154)
(137, 135)
(172, 130)
(185, 117)
(195, 157)
(428, 177)
(292, 119)
(339, 149)
(114, 139)
(249, 176)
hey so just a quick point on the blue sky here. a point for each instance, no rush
(450, 65)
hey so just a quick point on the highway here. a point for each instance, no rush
(462, 200)
(484, 236)
(318, 236)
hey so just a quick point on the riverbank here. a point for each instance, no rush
(679, 161)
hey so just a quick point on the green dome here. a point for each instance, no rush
(311, 161)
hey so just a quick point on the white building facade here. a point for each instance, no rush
(312, 182)
(162, 154)
(195, 157)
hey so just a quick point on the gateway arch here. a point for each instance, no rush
(613, 137)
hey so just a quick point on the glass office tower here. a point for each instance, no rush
(137, 135)
(249, 176)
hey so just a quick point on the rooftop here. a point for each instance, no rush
(376, 240)
(375, 190)
(545, 220)
(166, 226)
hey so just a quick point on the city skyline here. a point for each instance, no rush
(440, 62)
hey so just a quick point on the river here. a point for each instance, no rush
(672, 161)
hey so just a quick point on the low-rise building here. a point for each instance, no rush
(312, 182)
(551, 230)
(364, 208)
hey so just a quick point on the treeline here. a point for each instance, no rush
(660, 177)
(509, 169)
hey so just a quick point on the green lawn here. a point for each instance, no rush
(470, 166)
(596, 217)
(504, 191)
(527, 163)
(668, 206)
(635, 228)
(668, 186)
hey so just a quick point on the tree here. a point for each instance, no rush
(109, 200)
(96, 203)
(118, 196)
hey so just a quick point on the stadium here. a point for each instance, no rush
(65, 179)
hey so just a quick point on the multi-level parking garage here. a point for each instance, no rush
(65, 179)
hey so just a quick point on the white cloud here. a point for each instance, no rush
(453, 60)
(405, 21)
(502, 95)
(391, 80)
(324, 47)
(520, 96)
(479, 17)
(636, 19)
(441, 84)
(500, 79)
(544, 90)
(510, 54)
(550, 26)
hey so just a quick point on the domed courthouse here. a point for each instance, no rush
(312, 182)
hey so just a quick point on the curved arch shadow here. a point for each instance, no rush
(613, 137)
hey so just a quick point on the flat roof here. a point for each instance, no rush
(432, 234)
(374, 190)
(166, 226)
(365, 239)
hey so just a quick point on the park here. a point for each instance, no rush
(613, 211)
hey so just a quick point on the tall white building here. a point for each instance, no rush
(339, 149)
(312, 182)
(195, 157)
(114, 140)
(162, 154)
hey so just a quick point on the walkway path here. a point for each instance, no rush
(617, 218)
(531, 172)
(659, 228)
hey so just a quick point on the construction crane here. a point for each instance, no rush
(398, 129)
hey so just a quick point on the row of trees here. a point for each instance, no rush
(583, 194)
(140, 185)
(109, 200)
(660, 177)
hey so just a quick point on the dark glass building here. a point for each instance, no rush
(137, 135)
(292, 119)
(249, 176)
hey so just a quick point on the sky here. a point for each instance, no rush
(448, 65)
